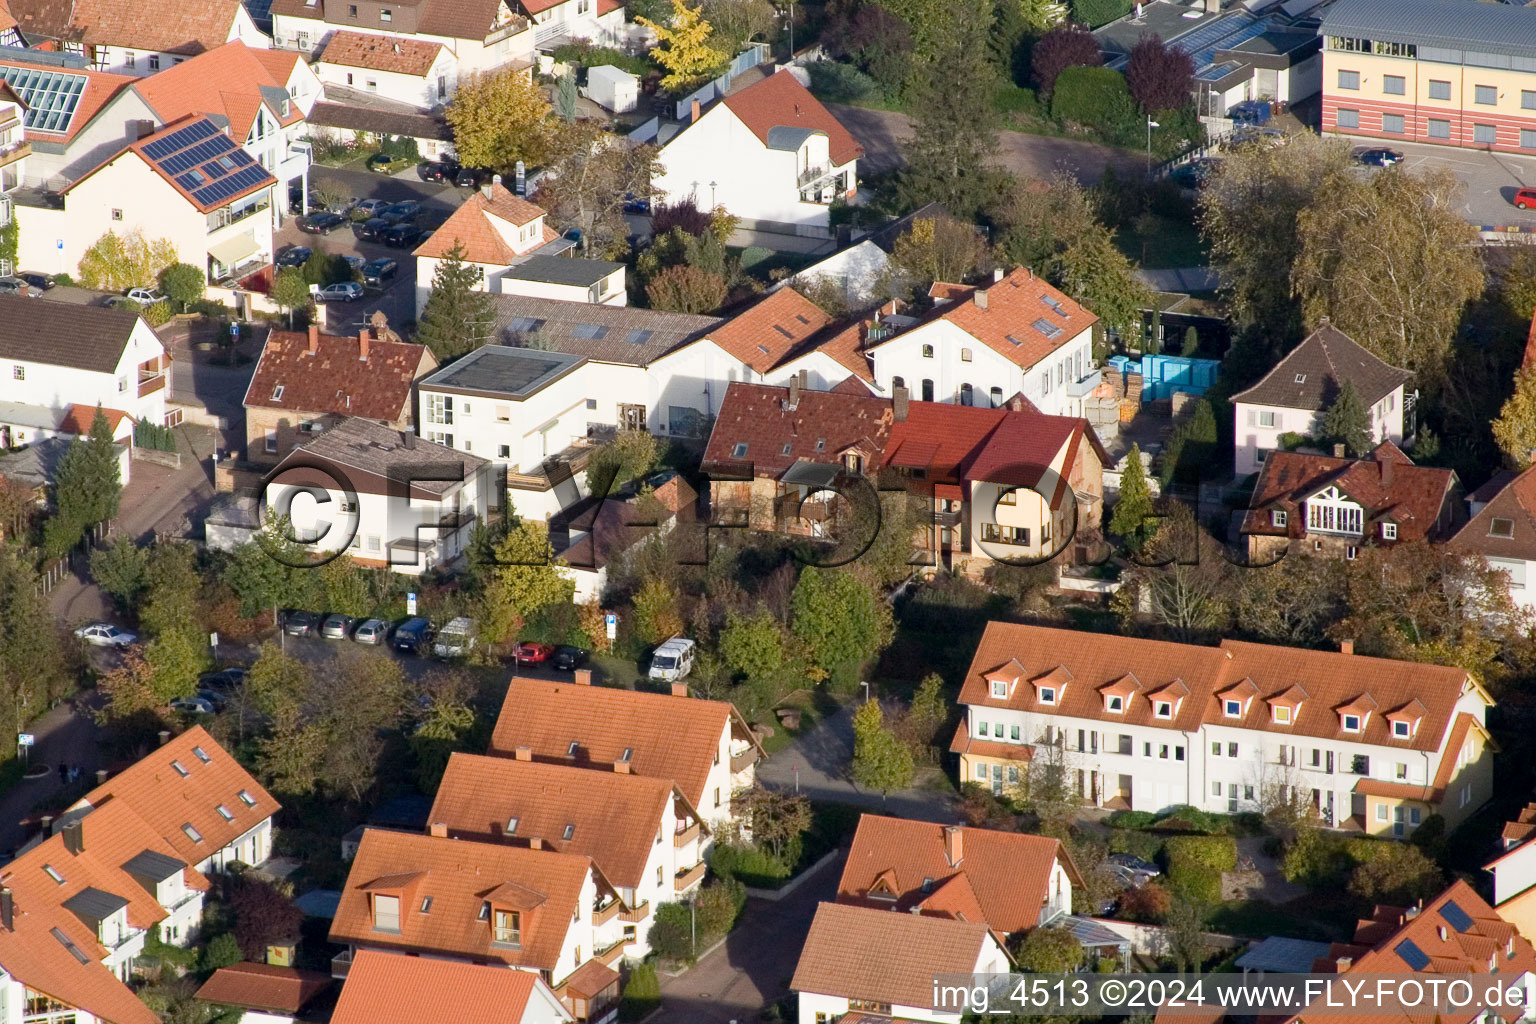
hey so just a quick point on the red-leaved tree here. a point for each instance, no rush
(264, 916)
(1159, 77)
(1069, 46)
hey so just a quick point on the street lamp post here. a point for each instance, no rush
(866, 691)
(1150, 125)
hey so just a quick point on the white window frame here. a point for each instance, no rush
(1232, 708)
(1162, 709)
(1048, 695)
(1402, 730)
(1344, 721)
(999, 689)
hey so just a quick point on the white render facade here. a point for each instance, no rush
(1259, 427)
(819, 1008)
(425, 91)
(126, 60)
(1216, 768)
(940, 362)
(509, 40)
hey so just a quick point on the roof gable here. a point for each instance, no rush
(226, 81)
(764, 334)
(335, 378)
(780, 101)
(1311, 375)
(1506, 526)
(1386, 485)
(860, 953)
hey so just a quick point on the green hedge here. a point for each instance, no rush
(755, 868)
(154, 436)
(1195, 864)
(841, 83)
(1096, 98)
(1185, 818)
(642, 993)
(1146, 845)
(1094, 13)
(1131, 819)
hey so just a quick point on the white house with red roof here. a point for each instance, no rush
(420, 72)
(74, 117)
(189, 184)
(493, 230)
(137, 37)
(770, 154)
(983, 345)
(482, 35)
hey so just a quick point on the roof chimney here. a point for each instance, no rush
(582, 677)
(535, 843)
(954, 845)
(1338, 451)
(1346, 647)
(979, 296)
(1344, 963)
(695, 116)
(47, 822)
(74, 837)
(101, 776)
(488, 188)
(997, 274)
(407, 440)
(679, 689)
(621, 766)
(314, 338)
(524, 753)
(362, 344)
(7, 910)
(794, 394)
(165, 736)
(438, 830)
(1386, 469)
(899, 400)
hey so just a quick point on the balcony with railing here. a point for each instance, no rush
(744, 760)
(610, 954)
(514, 26)
(1086, 385)
(150, 380)
(947, 520)
(685, 834)
(341, 963)
(688, 879)
(636, 915)
(605, 912)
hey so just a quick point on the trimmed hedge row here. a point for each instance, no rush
(1195, 864)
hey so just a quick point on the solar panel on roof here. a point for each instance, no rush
(233, 184)
(639, 337)
(1046, 328)
(178, 140)
(525, 325)
(591, 332)
(1412, 955)
(1455, 916)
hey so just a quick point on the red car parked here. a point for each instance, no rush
(1525, 198)
(529, 653)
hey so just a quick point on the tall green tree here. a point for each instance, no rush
(32, 663)
(1515, 429)
(290, 291)
(1131, 519)
(183, 284)
(271, 571)
(1097, 274)
(458, 317)
(565, 96)
(87, 487)
(842, 623)
(1346, 421)
(121, 570)
(880, 760)
(753, 647)
(527, 577)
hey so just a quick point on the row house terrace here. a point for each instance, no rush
(1370, 744)
(703, 747)
(396, 986)
(642, 833)
(523, 908)
(991, 484)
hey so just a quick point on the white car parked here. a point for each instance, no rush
(147, 296)
(104, 634)
(344, 291)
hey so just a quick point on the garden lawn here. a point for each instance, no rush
(1169, 243)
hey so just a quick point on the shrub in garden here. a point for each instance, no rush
(1095, 98)
(841, 83)
(642, 993)
(1195, 864)
(1149, 903)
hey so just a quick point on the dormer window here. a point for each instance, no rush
(1351, 723)
(507, 930)
(1233, 708)
(386, 913)
(1114, 702)
(1282, 714)
(1389, 531)
(1000, 689)
(1162, 709)
(1402, 730)
(1047, 695)
(1277, 517)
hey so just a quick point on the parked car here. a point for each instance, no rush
(529, 653)
(1524, 198)
(1253, 112)
(378, 273)
(568, 658)
(16, 286)
(42, 282)
(321, 223)
(633, 205)
(1132, 869)
(407, 209)
(192, 706)
(356, 263)
(1380, 157)
(402, 236)
(300, 623)
(383, 163)
(456, 639)
(470, 177)
(371, 230)
(223, 679)
(336, 627)
(341, 291)
(437, 170)
(372, 206)
(216, 699)
(294, 256)
(104, 634)
(372, 631)
(111, 301)
(1193, 174)
(673, 660)
(412, 636)
(144, 296)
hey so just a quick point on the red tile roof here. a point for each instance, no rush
(167, 800)
(771, 329)
(1003, 316)
(279, 63)
(381, 53)
(100, 88)
(672, 738)
(614, 817)
(78, 419)
(1436, 940)
(780, 101)
(822, 426)
(1088, 664)
(264, 987)
(460, 877)
(334, 379)
(471, 227)
(1515, 502)
(1009, 873)
(858, 953)
(388, 986)
(1386, 484)
(225, 81)
(165, 26)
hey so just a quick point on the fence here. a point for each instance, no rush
(646, 132)
(751, 57)
(52, 574)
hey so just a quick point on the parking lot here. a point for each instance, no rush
(398, 300)
(1490, 178)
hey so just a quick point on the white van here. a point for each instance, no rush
(673, 660)
(456, 639)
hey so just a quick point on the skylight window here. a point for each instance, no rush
(485, 911)
(1055, 306)
(821, 444)
(629, 752)
(1016, 341)
(51, 873)
(783, 330)
(201, 755)
(525, 325)
(571, 750)
(192, 833)
(1046, 328)
(277, 393)
(511, 826)
(1500, 527)
(74, 950)
(426, 904)
(181, 769)
(247, 799)
(787, 447)
(590, 332)
(224, 813)
(1301, 378)
(1412, 955)
(638, 337)
(570, 831)
(763, 349)
(740, 450)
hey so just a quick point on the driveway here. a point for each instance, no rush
(753, 968)
(1490, 179)
(882, 133)
(817, 764)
